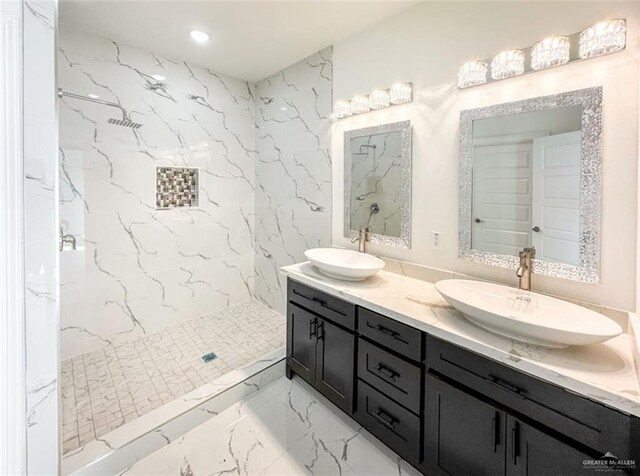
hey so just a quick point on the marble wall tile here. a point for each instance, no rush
(41, 263)
(293, 170)
(137, 269)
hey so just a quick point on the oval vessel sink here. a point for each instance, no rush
(527, 316)
(347, 265)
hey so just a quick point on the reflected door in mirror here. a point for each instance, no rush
(526, 184)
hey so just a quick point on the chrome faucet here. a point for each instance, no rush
(363, 236)
(524, 270)
(68, 238)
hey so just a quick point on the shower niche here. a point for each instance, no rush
(176, 187)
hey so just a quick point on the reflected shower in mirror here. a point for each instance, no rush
(378, 182)
(530, 178)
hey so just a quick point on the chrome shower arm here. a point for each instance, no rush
(125, 117)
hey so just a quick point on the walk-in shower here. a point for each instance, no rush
(156, 262)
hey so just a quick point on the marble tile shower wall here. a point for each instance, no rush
(137, 269)
(41, 263)
(293, 171)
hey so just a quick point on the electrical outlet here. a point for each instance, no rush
(436, 240)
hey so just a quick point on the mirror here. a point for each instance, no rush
(378, 183)
(530, 178)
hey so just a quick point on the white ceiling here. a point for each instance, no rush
(249, 39)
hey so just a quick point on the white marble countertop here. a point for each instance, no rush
(603, 372)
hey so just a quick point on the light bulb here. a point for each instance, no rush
(472, 73)
(199, 36)
(602, 38)
(342, 109)
(359, 104)
(401, 93)
(507, 63)
(550, 52)
(379, 98)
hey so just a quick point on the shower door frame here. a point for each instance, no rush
(13, 394)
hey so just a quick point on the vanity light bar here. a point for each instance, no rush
(507, 64)
(379, 99)
(600, 39)
(399, 93)
(360, 104)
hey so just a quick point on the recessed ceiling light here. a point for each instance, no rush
(283, 108)
(93, 96)
(199, 36)
(158, 77)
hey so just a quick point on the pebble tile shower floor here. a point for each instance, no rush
(105, 389)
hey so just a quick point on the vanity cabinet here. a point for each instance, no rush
(318, 349)
(398, 337)
(393, 376)
(531, 451)
(389, 382)
(442, 407)
(578, 420)
(390, 422)
(465, 435)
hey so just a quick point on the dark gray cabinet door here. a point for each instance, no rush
(301, 342)
(463, 435)
(335, 364)
(531, 452)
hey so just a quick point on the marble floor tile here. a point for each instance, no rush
(287, 428)
(105, 389)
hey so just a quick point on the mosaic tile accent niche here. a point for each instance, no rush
(176, 187)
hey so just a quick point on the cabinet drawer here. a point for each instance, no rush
(392, 334)
(391, 375)
(325, 305)
(394, 425)
(590, 423)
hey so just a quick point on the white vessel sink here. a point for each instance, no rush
(527, 316)
(347, 265)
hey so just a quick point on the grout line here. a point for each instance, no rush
(227, 332)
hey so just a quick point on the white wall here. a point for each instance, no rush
(425, 45)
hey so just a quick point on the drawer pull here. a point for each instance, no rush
(495, 433)
(505, 385)
(387, 372)
(313, 327)
(316, 300)
(320, 330)
(304, 296)
(386, 419)
(514, 443)
(389, 332)
(322, 303)
(386, 330)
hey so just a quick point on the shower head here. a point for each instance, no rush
(125, 121)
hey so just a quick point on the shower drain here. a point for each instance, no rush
(209, 357)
